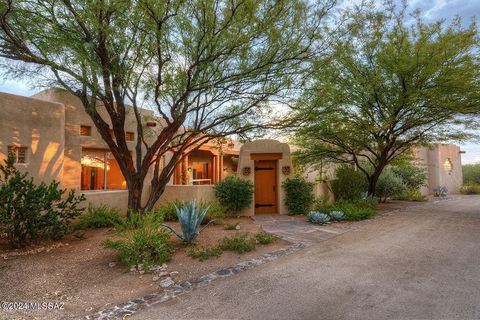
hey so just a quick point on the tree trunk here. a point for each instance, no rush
(135, 191)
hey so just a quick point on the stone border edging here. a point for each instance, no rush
(135, 305)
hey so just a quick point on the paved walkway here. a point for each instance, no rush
(419, 264)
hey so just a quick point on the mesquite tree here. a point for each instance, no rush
(390, 83)
(207, 68)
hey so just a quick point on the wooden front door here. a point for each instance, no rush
(265, 186)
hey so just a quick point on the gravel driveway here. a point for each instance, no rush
(423, 263)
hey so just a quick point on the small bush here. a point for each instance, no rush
(234, 194)
(231, 226)
(389, 184)
(239, 244)
(414, 177)
(473, 189)
(100, 217)
(411, 195)
(471, 174)
(349, 184)
(337, 215)
(141, 242)
(216, 212)
(29, 211)
(298, 195)
(167, 210)
(359, 209)
(205, 253)
(265, 238)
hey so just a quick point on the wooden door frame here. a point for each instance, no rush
(275, 181)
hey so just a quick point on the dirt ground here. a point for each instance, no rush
(80, 276)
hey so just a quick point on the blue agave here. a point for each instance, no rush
(318, 217)
(337, 215)
(190, 219)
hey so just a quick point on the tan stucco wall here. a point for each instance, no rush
(37, 125)
(433, 159)
(186, 193)
(265, 146)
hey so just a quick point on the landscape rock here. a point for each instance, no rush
(167, 282)
(112, 264)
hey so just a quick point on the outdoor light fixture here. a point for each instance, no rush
(448, 166)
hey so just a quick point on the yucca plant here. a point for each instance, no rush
(318, 217)
(190, 219)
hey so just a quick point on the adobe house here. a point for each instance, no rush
(54, 139)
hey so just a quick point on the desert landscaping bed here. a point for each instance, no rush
(83, 276)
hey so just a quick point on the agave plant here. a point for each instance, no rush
(190, 218)
(337, 215)
(318, 217)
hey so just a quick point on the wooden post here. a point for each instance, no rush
(220, 168)
(214, 169)
(185, 170)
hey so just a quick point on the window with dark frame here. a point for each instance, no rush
(85, 131)
(20, 153)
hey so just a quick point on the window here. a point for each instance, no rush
(20, 153)
(85, 131)
(100, 171)
(129, 136)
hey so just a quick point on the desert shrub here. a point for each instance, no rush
(413, 177)
(231, 226)
(337, 215)
(234, 194)
(472, 189)
(358, 209)
(216, 212)
(239, 244)
(298, 195)
(29, 211)
(100, 217)
(265, 238)
(389, 184)
(411, 195)
(190, 217)
(318, 217)
(141, 242)
(471, 174)
(440, 191)
(205, 253)
(349, 183)
(167, 210)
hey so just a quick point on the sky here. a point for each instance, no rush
(432, 10)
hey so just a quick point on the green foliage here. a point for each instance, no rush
(234, 194)
(205, 253)
(349, 184)
(471, 189)
(29, 211)
(215, 214)
(411, 195)
(231, 226)
(140, 242)
(471, 174)
(389, 184)
(100, 217)
(190, 217)
(168, 211)
(265, 238)
(370, 97)
(413, 176)
(239, 244)
(359, 209)
(318, 217)
(298, 195)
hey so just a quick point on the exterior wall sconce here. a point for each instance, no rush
(246, 171)
(286, 170)
(448, 165)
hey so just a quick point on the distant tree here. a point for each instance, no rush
(471, 173)
(208, 68)
(389, 84)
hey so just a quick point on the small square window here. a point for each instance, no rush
(129, 136)
(20, 153)
(85, 131)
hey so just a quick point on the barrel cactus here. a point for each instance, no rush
(318, 217)
(337, 215)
